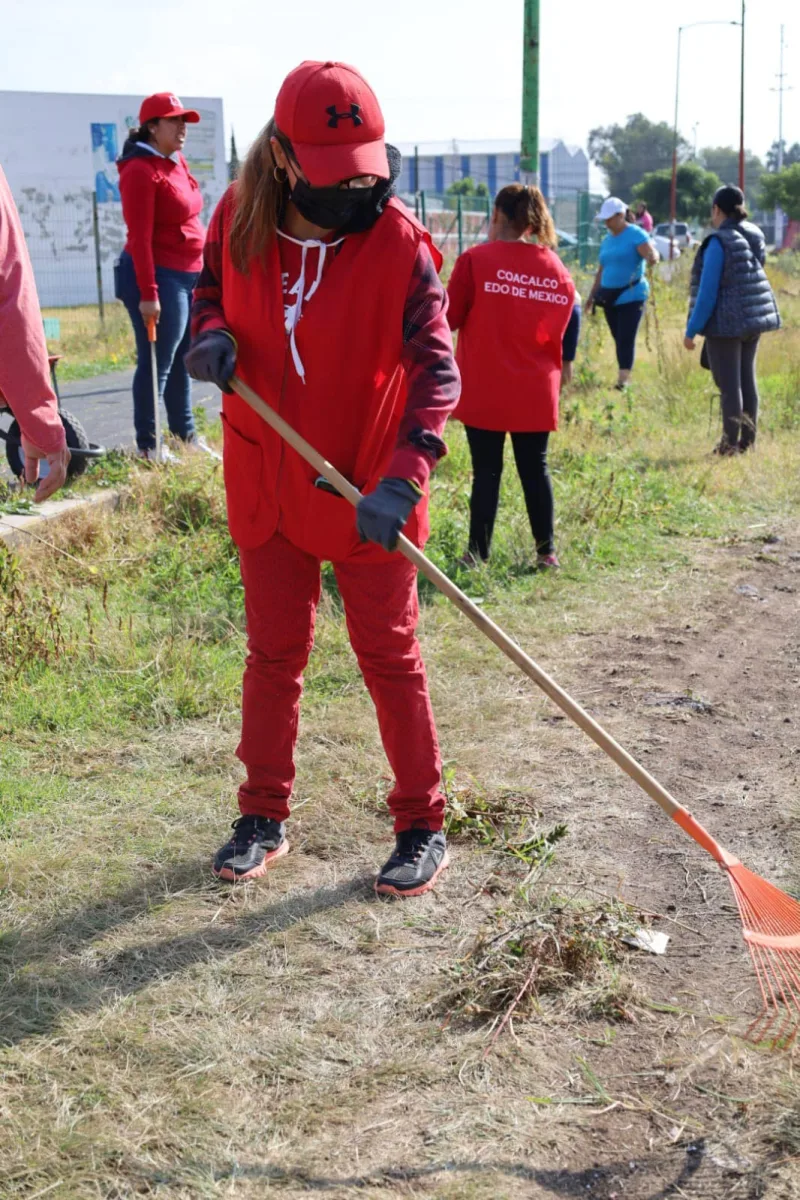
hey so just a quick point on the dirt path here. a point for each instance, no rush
(711, 706)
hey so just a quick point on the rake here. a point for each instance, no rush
(151, 337)
(770, 918)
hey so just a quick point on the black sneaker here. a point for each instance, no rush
(256, 844)
(419, 858)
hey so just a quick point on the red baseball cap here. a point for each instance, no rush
(166, 104)
(331, 116)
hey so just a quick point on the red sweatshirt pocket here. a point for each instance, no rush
(249, 517)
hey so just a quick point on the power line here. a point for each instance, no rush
(782, 76)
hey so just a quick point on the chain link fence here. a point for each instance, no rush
(457, 222)
(73, 242)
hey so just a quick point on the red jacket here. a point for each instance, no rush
(511, 302)
(24, 371)
(380, 380)
(161, 203)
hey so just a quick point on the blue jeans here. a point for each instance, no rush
(174, 384)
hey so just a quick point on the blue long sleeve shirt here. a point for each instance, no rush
(708, 291)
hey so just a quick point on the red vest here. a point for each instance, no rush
(350, 339)
(509, 345)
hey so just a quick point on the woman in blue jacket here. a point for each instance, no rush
(621, 286)
(732, 304)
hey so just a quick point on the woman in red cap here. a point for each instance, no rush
(321, 291)
(157, 270)
(512, 299)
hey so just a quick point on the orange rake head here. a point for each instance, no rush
(771, 921)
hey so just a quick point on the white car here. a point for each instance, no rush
(682, 233)
(662, 246)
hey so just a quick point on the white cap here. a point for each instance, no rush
(611, 207)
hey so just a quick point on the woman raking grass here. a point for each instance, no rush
(320, 290)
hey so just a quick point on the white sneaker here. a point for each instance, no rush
(199, 445)
(150, 455)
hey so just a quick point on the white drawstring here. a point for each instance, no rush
(293, 315)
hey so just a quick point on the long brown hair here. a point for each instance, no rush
(524, 208)
(259, 199)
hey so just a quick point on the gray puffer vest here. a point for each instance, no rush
(746, 305)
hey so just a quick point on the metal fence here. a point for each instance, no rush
(458, 222)
(73, 242)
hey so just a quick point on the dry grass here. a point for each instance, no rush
(554, 948)
(163, 1036)
(90, 346)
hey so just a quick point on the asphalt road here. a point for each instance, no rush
(104, 406)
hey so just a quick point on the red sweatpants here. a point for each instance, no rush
(282, 589)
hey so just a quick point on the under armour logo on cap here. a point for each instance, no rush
(336, 117)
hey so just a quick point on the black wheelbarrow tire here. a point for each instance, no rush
(76, 440)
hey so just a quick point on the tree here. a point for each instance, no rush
(628, 152)
(695, 190)
(233, 164)
(791, 155)
(467, 187)
(724, 161)
(782, 190)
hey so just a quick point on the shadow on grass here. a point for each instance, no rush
(597, 1182)
(47, 972)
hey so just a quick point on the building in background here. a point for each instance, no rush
(564, 170)
(58, 151)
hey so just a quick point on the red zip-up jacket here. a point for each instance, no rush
(161, 204)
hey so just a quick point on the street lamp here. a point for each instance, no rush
(741, 110)
(673, 198)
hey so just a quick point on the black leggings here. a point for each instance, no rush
(733, 365)
(623, 321)
(530, 453)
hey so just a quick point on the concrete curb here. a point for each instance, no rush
(28, 528)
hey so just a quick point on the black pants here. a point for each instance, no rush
(733, 365)
(623, 321)
(530, 452)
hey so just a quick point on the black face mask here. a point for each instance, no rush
(330, 207)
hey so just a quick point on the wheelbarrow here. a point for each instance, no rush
(82, 451)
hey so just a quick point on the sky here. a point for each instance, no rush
(444, 70)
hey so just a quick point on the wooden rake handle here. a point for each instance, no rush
(479, 618)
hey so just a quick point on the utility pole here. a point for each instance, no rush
(673, 190)
(529, 159)
(741, 111)
(781, 88)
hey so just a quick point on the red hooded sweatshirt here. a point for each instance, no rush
(24, 369)
(511, 302)
(161, 204)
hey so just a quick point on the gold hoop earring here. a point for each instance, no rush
(277, 177)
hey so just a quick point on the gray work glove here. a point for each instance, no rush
(381, 514)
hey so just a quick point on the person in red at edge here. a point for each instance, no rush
(24, 372)
(157, 270)
(321, 291)
(511, 299)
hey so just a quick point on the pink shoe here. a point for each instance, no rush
(547, 562)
